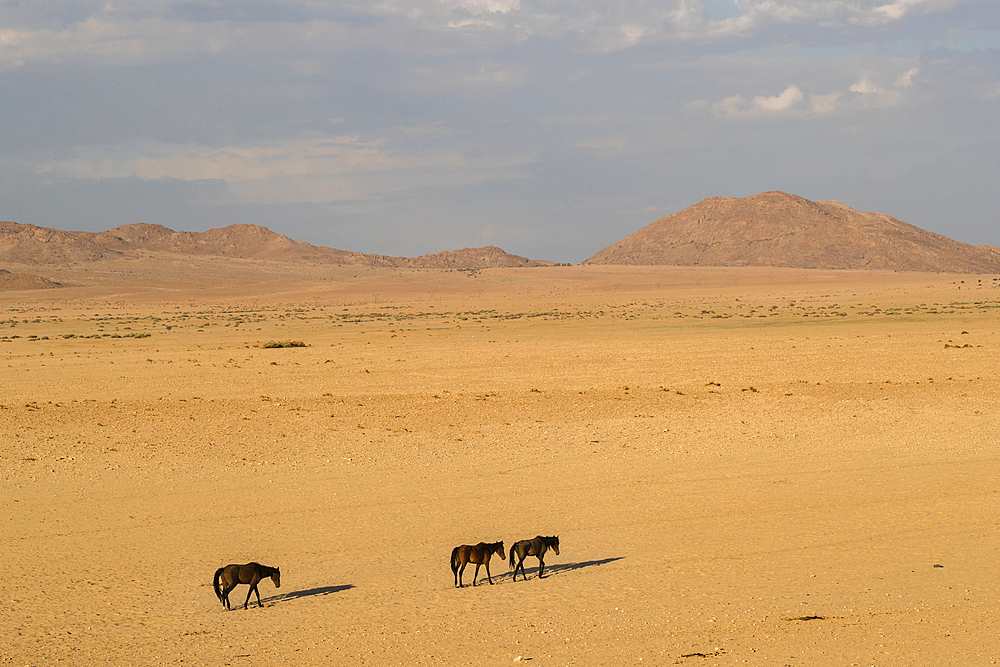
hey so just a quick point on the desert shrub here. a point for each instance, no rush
(284, 343)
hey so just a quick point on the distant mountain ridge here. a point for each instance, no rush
(32, 245)
(773, 229)
(783, 230)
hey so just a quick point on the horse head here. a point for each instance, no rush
(500, 550)
(554, 543)
(276, 577)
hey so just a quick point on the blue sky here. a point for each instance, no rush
(550, 129)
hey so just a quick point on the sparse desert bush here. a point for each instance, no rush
(283, 343)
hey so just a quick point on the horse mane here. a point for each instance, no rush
(265, 570)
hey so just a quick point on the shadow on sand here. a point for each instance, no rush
(310, 592)
(556, 568)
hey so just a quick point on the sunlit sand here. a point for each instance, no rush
(743, 466)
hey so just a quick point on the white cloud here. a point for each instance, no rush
(783, 104)
(779, 103)
(834, 13)
(824, 104)
(812, 88)
(110, 40)
(791, 102)
(730, 107)
(898, 9)
(865, 86)
(905, 79)
(483, 6)
(870, 94)
(317, 169)
(152, 31)
(230, 163)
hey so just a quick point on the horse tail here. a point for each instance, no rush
(215, 582)
(454, 560)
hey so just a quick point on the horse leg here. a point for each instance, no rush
(520, 564)
(254, 580)
(254, 589)
(541, 567)
(488, 577)
(461, 571)
(478, 565)
(225, 594)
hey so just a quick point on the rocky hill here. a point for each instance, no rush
(769, 229)
(782, 230)
(31, 245)
(23, 281)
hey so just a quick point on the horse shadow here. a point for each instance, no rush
(309, 592)
(558, 568)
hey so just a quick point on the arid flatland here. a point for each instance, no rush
(744, 466)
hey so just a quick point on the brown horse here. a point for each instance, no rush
(479, 554)
(251, 573)
(533, 547)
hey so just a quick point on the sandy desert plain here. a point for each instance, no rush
(744, 466)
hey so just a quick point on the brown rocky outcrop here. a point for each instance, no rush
(23, 281)
(783, 230)
(32, 245)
